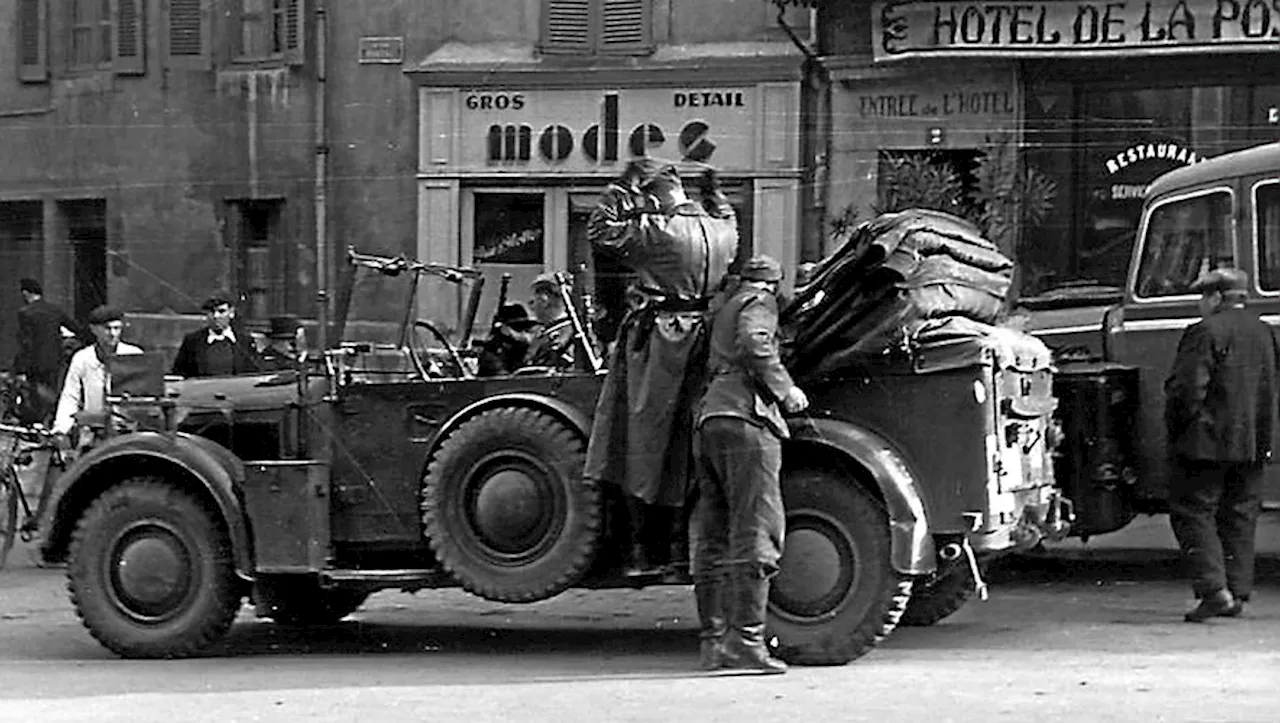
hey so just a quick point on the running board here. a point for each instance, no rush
(415, 579)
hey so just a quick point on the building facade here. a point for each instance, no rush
(154, 151)
(1099, 98)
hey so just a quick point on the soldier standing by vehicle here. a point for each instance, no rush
(738, 522)
(1220, 413)
(680, 252)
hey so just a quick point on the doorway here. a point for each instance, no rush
(86, 224)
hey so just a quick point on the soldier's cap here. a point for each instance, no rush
(761, 267)
(546, 281)
(104, 315)
(1225, 280)
(283, 327)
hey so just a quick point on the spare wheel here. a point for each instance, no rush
(505, 507)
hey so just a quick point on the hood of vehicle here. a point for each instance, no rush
(239, 393)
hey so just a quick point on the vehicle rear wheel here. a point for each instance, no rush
(506, 509)
(151, 573)
(948, 593)
(836, 595)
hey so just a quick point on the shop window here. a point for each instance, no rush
(597, 27)
(509, 228)
(1266, 214)
(1185, 238)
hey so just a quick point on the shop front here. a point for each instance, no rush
(1101, 99)
(508, 175)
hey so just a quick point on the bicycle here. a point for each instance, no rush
(18, 445)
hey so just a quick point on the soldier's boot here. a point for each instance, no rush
(709, 594)
(639, 564)
(745, 646)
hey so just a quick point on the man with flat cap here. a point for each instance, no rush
(1220, 414)
(220, 347)
(738, 523)
(679, 252)
(88, 381)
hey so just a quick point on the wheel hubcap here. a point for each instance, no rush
(513, 509)
(150, 571)
(817, 572)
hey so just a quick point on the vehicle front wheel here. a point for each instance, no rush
(836, 595)
(151, 573)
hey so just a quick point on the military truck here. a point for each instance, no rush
(385, 462)
(1113, 355)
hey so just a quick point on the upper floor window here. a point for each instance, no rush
(597, 27)
(1185, 238)
(270, 30)
(33, 41)
(101, 34)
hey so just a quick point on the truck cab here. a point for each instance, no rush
(1113, 360)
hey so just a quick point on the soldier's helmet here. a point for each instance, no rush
(761, 267)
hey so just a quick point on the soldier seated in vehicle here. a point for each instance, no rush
(553, 341)
(508, 344)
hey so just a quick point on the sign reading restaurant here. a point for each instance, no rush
(1062, 28)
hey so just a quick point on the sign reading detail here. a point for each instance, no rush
(1047, 28)
(577, 130)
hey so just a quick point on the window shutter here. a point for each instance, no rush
(625, 27)
(295, 32)
(33, 44)
(566, 26)
(188, 33)
(131, 37)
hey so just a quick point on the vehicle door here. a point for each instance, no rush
(1181, 236)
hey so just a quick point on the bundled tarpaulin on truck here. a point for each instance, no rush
(870, 296)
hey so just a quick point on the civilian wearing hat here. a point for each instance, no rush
(1220, 409)
(220, 347)
(40, 348)
(738, 521)
(680, 252)
(281, 351)
(88, 383)
(505, 349)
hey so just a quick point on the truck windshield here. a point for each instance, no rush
(1266, 213)
(376, 308)
(1184, 238)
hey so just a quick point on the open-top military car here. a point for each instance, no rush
(385, 462)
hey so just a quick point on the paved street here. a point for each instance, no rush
(1088, 633)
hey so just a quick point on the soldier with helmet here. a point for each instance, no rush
(738, 523)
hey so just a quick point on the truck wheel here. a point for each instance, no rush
(151, 572)
(837, 594)
(304, 605)
(947, 594)
(506, 509)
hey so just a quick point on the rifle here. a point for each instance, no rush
(593, 357)
(503, 286)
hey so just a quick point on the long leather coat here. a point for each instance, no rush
(1220, 399)
(641, 437)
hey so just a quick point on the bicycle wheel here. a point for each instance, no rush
(9, 492)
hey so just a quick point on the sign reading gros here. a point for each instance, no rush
(1048, 28)
(593, 130)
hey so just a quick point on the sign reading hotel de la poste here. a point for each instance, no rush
(1069, 28)
(597, 131)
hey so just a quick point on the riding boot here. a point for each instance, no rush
(744, 645)
(638, 564)
(709, 594)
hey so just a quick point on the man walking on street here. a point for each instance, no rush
(219, 348)
(739, 522)
(1220, 413)
(40, 349)
(680, 252)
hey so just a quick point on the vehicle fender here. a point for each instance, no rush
(567, 413)
(216, 469)
(913, 551)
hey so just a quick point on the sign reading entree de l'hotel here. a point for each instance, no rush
(1058, 28)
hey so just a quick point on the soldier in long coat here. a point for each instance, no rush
(680, 252)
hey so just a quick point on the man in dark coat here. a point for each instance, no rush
(641, 436)
(40, 349)
(220, 347)
(738, 523)
(1220, 414)
(553, 344)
